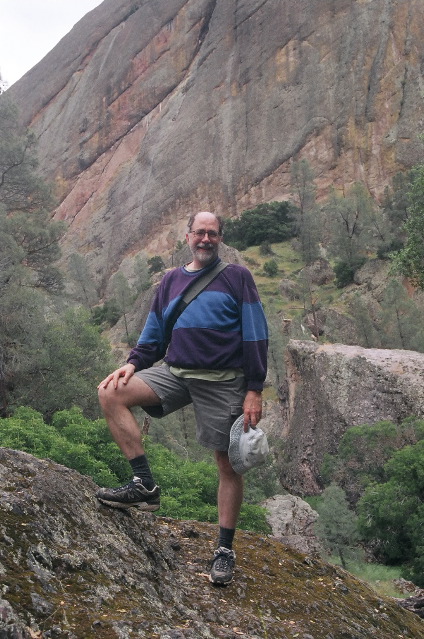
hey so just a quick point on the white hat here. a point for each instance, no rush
(246, 450)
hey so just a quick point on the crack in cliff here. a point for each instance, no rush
(250, 14)
(375, 72)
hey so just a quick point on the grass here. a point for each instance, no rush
(378, 576)
(289, 265)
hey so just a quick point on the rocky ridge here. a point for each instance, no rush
(72, 568)
(147, 111)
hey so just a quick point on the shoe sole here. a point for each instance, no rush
(217, 582)
(142, 505)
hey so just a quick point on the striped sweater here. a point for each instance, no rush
(223, 328)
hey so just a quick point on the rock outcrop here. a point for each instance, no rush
(71, 568)
(331, 387)
(292, 522)
(148, 110)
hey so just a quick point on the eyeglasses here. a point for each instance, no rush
(201, 233)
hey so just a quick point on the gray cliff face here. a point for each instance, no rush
(331, 387)
(73, 569)
(147, 111)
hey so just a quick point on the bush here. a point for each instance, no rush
(271, 268)
(391, 515)
(270, 222)
(345, 271)
(156, 264)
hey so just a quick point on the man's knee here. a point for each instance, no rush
(108, 396)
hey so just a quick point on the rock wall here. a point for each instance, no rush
(73, 569)
(331, 387)
(146, 111)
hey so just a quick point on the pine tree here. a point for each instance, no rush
(337, 525)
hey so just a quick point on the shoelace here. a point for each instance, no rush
(224, 560)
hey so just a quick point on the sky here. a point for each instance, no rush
(29, 29)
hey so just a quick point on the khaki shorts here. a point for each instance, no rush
(216, 404)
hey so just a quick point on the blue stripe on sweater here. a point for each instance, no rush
(151, 330)
(254, 323)
(212, 309)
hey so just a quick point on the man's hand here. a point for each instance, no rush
(126, 372)
(252, 408)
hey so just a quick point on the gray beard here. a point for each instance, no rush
(205, 258)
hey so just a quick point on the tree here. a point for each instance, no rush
(409, 261)
(156, 264)
(391, 514)
(141, 274)
(29, 247)
(21, 189)
(84, 287)
(270, 222)
(123, 296)
(400, 319)
(70, 358)
(271, 268)
(308, 214)
(337, 525)
(356, 230)
(395, 210)
(364, 451)
(366, 328)
(302, 178)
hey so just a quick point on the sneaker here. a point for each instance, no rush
(132, 494)
(222, 570)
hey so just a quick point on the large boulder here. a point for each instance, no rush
(292, 522)
(331, 387)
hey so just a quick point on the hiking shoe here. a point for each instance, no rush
(222, 570)
(132, 494)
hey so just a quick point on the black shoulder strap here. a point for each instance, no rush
(191, 293)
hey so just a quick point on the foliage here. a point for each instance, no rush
(188, 487)
(141, 274)
(302, 178)
(156, 264)
(29, 246)
(28, 432)
(308, 222)
(400, 319)
(270, 222)
(367, 331)
(72, 358)
(410, 260)
(106, 314)
(265, 249)
(124, 298)
(363, 452)
(345, 271)
(21, 189)
(271, 268)
(337, 524)
(396, 203)
(391, 514)
(84, 290)
(356, 226)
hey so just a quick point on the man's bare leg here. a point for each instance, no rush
(116, 404)
(230, 491)
(116, 400)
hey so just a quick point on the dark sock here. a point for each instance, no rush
(140, 467)
(226, 536)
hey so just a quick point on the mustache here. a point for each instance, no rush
(206, 245)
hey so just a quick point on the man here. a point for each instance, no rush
(216, 360)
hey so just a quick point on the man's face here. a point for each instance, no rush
(203, 246)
